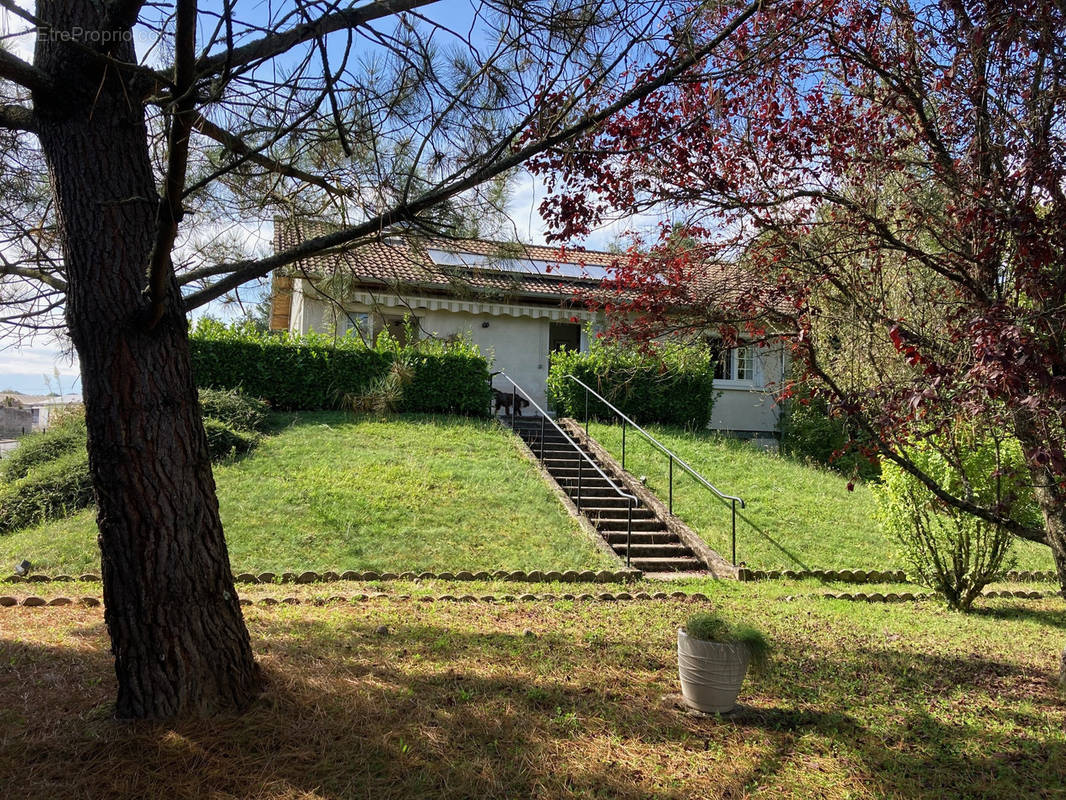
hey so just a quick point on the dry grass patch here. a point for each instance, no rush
(555, 700)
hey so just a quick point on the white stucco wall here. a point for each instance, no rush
(749, 406)
(515, 345)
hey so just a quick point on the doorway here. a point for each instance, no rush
(563, 334)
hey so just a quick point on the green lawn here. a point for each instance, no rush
(557, 700)
(797, 516)
(330, 491)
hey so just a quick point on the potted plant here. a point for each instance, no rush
(712, 659)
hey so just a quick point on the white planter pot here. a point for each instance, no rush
(711, 672)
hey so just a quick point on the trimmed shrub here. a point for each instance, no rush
(289, 372)
(37, 449)
(235, 408)
(446, 378)
(318, 372)
(952, 552)
(224, 440)
(672, 384)
(48, 491)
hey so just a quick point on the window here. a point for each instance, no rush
(733, 364)
(745, 364)
(358, 324)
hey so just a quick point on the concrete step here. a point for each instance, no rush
(570, 462)
(594, 508)
(641, 537)
(604, 525)
(572, 469)
(655, 551)
(667, 564)
(613, 502)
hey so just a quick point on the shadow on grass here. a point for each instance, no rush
(431, 710)
(1053, 618)
(790, 555)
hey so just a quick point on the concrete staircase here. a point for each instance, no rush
(652, 546)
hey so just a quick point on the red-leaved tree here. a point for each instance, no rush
(888, 180)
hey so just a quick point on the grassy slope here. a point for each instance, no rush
(331, 492)
(798, 517)
(555, 700)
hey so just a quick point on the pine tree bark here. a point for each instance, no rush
(178, 637)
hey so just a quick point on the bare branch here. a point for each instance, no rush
(39, 275)
(170, 211)
(278, 43)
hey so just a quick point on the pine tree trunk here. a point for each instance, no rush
(178, 637)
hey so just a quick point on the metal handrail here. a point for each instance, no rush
(544, 416)
(732, 499)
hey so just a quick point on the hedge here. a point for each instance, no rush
(314, 372)
(672, 384)
(49, 491)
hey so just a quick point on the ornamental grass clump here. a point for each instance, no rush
(710, 627)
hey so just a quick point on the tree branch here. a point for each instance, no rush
(14, 69)
(242, 271)
(236, 145)
(1038, 535)
(278, 43)
(122, 14)
(170, 212)
(47, 278)
(17, 118)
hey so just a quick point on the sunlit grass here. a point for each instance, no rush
(330, 491)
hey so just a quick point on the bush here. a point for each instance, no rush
(290, 372)
(952, 552)
(672, 385)
(37, 449)
(319, 372)
(235, 408)
(810, 434)
(447, 378)
(224, 440)
(48, 491)
(709, 627)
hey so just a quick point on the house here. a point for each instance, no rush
(518, 303)
(23, 413)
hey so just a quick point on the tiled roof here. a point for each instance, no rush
(406, 264)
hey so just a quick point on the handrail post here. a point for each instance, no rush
(629, 533)
(514, 402)
(671, 484)
(624, 426)
(734, 533)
